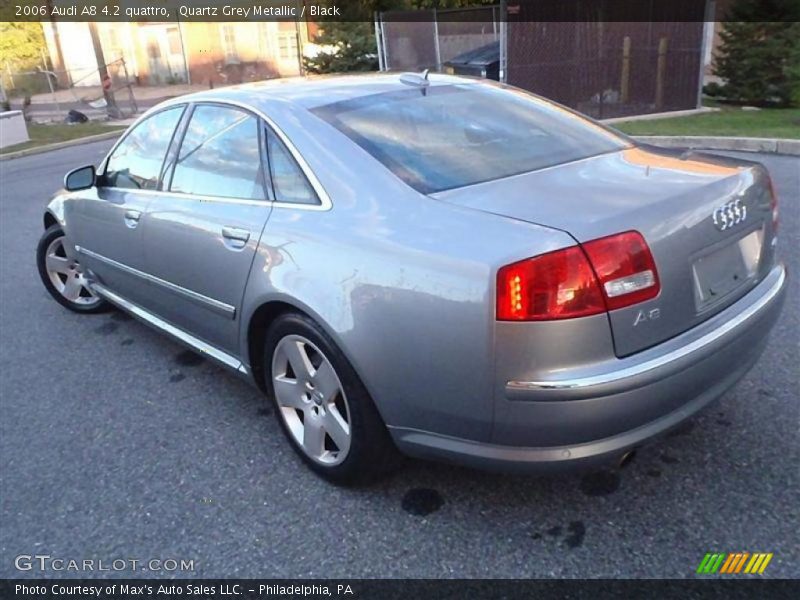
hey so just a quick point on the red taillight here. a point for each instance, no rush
(625, 268)
(773, 203)
(557, 285)
(564, 284)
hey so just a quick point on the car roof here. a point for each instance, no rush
(313, 91)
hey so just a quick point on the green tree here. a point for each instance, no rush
(793, 70)
(347, 46)
(21, 44)
(760, 52)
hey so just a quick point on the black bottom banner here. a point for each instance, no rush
(415, 589)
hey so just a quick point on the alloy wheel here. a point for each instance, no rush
(67, 276)
(311, 400)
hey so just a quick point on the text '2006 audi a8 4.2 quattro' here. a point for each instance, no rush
(450, 268)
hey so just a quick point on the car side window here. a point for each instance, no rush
(136, 162)
(289, 183)
(220, 155)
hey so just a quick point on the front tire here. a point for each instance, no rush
(321, 404)
(63, 276)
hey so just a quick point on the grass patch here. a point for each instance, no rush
(42, 134)
(766, 123)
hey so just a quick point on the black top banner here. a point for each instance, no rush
(320, 11)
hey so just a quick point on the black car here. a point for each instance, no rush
(480, 62)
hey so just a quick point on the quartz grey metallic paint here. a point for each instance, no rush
(404, 283)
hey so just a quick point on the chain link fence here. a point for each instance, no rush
(417, 40)
(566, 52)
(47, 94)
(608, 69)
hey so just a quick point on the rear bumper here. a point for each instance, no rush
(593, 416)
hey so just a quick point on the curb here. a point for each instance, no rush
(738, 144)
(662, 115)
(58, 145)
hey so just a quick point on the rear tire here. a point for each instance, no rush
(63, 276)
(322, 406)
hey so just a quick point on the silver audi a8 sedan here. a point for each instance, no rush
(449, 268)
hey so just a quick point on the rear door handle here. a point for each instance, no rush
(132, 218)
(236, 237)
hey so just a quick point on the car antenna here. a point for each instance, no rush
(416, 80)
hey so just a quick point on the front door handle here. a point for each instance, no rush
(132, 218)
(236, 237)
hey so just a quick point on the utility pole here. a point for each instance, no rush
(299, 37)
(105, 78)
(57, 43)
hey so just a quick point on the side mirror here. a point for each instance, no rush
(80, 179)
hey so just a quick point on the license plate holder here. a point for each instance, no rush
(723, 271)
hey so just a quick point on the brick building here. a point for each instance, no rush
(157, 53)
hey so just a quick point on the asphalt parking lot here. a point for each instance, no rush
(117, 443)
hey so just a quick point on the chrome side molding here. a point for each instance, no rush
(200, 346)
(214, 305)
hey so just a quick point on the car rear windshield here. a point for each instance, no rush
(450, 136)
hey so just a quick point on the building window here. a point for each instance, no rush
(287, 45)
(111, 46)
(111, 38)
(229, 43)
(264, 48)
(153, 49)
(174, 39)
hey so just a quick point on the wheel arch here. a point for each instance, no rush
(54, 213)
(256, 332)
(49, 220)
(261, 319)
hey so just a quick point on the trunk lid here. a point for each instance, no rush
(707, 220)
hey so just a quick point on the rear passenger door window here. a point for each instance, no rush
(289, 183)
(136, 163)
(220, 155)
